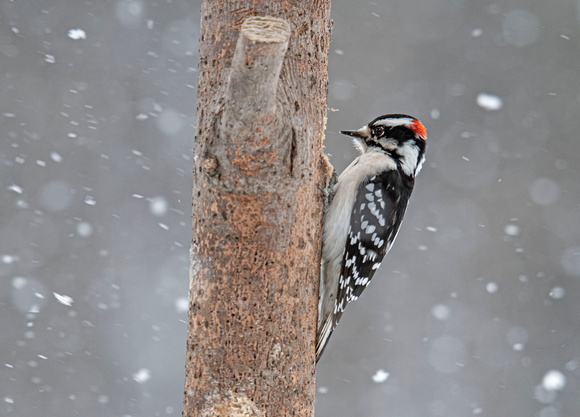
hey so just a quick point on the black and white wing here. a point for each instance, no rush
(374, 223)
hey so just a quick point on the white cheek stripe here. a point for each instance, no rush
(410, 154)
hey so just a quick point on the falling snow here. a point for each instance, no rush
(554, 380)
(77, 34)
(557, 293)
(489, 102)
(63, 299)
(84, 229)
(7, 259)
(491, 287)
(380, 376)
(142, 376)
(182, 305)
(158, 206)
(441, 312)
(15, 188)
(512, 229)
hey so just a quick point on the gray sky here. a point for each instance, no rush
(474, 311)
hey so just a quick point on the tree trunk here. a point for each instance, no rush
(257, 208)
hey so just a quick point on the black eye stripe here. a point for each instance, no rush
(395, 132)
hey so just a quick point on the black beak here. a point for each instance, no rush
(362, 134)
(353, 133)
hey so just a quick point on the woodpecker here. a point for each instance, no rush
(365, 211)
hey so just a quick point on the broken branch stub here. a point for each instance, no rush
(255, 71)
(256, 136)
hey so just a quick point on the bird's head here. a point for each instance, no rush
(400, 136)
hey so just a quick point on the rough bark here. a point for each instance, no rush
(257, 209)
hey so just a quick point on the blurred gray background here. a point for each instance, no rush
(474, 312)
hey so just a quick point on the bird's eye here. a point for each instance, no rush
(379, 131)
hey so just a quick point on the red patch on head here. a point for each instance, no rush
(419, 129)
